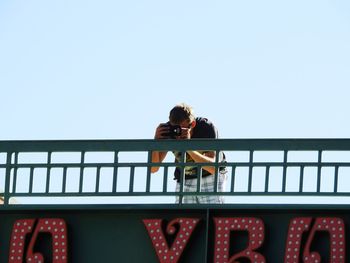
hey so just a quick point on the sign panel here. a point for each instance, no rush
(174, 235)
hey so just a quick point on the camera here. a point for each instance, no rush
(174, 130)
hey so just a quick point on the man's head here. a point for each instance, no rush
(182, 115)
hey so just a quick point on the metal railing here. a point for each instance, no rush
(119, 171)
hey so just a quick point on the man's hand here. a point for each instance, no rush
(185, 134)
(207, 157)
(161, 130)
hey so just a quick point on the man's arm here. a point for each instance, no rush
(207, 157)
(158, 157)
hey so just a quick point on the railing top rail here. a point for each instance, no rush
(149, 144)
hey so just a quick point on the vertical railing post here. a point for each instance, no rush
(64, 179)
(319, 160)
(81, 177)
(132, 179)
(31, 175)
(199, 179)
(14, 181)
(98, 177)
(267, 179)
(284, 175)
(7, 178)
(165, 179)
(336, 175)
(217, 170)
(250, 173)
(182, 175)
(149, 167)
(48, 173)
(301, 180)
(233, 178)
(115, 171)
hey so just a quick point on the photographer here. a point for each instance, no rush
(183, 125)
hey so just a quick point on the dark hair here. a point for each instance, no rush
(181, 112)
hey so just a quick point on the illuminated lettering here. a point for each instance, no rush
(224, 226)
(21, 228)
(300, 225)
(165, 253)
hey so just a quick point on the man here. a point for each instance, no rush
(191, 127)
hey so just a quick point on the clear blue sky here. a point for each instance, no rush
(113, 69)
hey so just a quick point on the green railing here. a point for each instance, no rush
(119, 171)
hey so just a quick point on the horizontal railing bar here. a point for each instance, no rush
(343, 208)
(179, 145)
(145, 165)
(113, 194)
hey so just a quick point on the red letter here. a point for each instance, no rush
(255, 229)
(296, 229)
(58, 230)
(164, 253)
(335, 227)
(19, 231)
